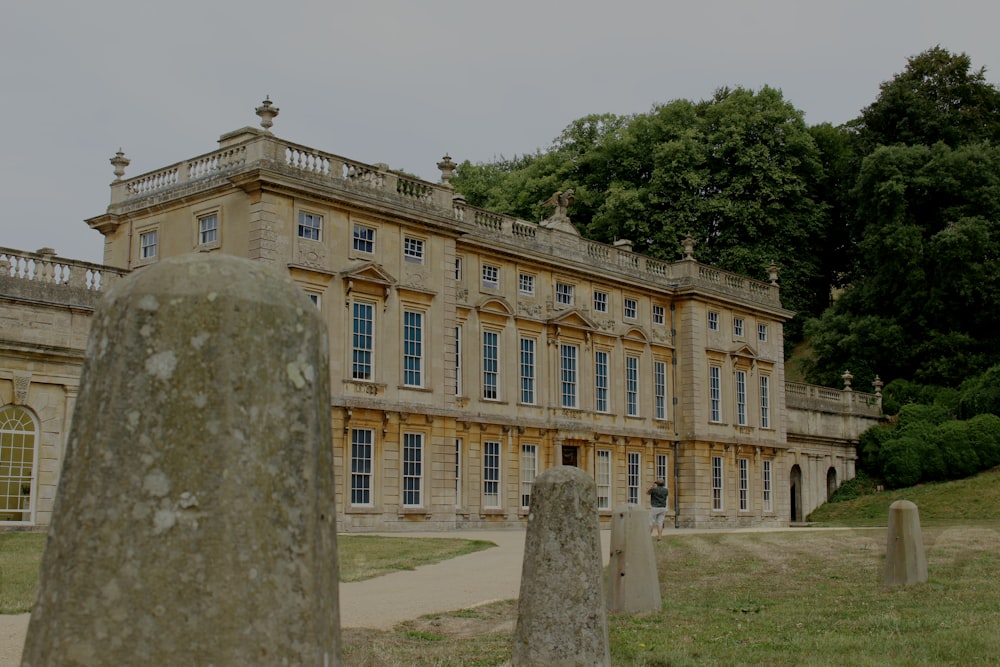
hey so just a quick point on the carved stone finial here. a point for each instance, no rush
(267, 113)
(447, 168)
(847, 380)
(119, 162)
(688, 244)
(772, 272)
(560, 220)
(878, 384)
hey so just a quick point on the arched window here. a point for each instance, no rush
(17, 463)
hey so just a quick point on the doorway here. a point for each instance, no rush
(795, 493)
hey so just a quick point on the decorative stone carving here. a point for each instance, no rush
(462, 294)
(559, 220)
(526, 308)
(22, 383)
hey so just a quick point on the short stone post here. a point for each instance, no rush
(195, 521)
(905, 559)
(561, 617)
(632, 584)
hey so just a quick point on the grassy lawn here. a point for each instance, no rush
(795, 597)
(361, 557)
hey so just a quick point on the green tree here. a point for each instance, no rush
(938, 97)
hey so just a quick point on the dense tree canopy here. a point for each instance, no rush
(898, 210)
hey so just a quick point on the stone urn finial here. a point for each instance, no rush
(878, 384)
(772, 272)
(688, 244)
(847, 380)
(447, 167)
(119, 162)
(267, 112)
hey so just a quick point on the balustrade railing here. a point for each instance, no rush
(801, 395)
(249, 146)
(48, 270)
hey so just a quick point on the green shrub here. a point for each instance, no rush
(958, 452)
(901, 461)
(860, 485)
(983, 432)
(980, 395)
(870, 445)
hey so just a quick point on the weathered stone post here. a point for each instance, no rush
(195, 519)
(561, 618)
(905, 559)
(632, 584)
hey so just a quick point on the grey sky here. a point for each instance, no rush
(403, 82)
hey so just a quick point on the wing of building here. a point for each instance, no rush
(469, 350)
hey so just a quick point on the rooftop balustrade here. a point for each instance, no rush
(42, 276)
(251, 148)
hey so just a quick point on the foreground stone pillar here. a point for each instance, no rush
(194, 523)
(561, 618)
(632, 584)
(905, 559)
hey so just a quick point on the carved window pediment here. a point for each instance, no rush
(573, 318)
(368, 277)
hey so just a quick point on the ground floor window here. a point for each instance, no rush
(767, 487)
(603, 479)
(634, 475)
(413, 469)
(529, 469)
(661, 467)
(17, 463)
(744, 472)
(716, 483)
(491, 474)
(361, 466)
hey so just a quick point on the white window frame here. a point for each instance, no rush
(529, 470)
(458, 361)
(491, 365)
(362, 490)
(715, 393)
(660, 389)
(310, 226)
(633, 476)
(316, 298)
(713, 320)
(568, 375)
(491, 276)
(600, 302)
(743, 467)
(565, 293)
(738, 327)
(363, 341)
(662, 466)
(766, 481)
(717, 505)
(363, 239)
(765, 401)
(741, 398)
(602, 360)
(21, 432)
(603, 479)
(762, 333)
(659, 314)
(632, 385)
(412, 491)
(525, 284)
(413, 249)
(458, 268)
(208, 229)
(491, 474)
(149, 242)
(527, 347)
(413, 348)
(459, 477)
(630, 310)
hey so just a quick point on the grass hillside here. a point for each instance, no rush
(966, 500)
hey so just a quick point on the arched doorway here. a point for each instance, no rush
(795, 493)
(831, 482)
(17, 463)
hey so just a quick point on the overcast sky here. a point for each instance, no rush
(403, 82)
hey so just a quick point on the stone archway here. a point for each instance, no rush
(795, 493)
(831, 482)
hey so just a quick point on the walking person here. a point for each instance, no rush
(658, 493)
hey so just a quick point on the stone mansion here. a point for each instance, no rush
(469, 350)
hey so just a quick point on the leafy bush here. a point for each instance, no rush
(983, 432)
(901, 461)
(980, 395)
(958, 452)
(860, 485)
(870, 445)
